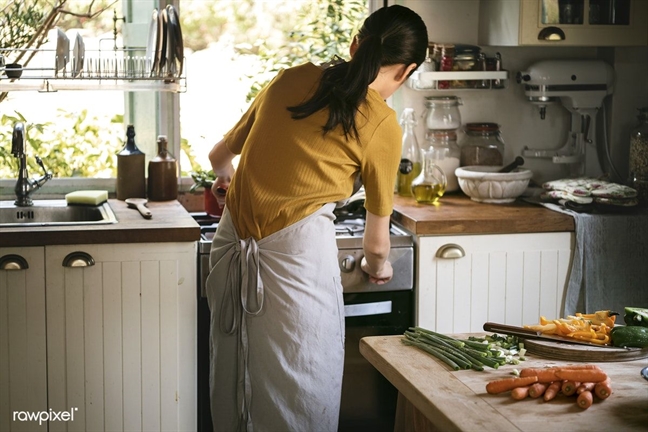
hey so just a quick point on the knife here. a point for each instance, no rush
(532, 334)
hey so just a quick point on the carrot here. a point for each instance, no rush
(537, 389)
(585, 400)
(584, 375)
(569, 387)
(520, 393)
(552, 391)
(588, 386)
(603, 389)
(506, 384)
(544, 375)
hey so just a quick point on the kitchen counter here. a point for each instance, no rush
(170, 223)
(457, 214)
(433, 397)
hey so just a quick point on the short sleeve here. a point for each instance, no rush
(379, 167)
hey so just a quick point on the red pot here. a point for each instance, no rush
(211, 205)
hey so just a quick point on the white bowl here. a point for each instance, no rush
(485, 184)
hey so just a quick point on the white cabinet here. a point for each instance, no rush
(23, 367)
(563, 22)
(121, 336)
(503, 278)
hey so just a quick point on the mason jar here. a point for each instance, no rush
(482, 144)
(442, 113)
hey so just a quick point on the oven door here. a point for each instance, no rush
(368, 399)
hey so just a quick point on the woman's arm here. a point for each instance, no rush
(220, 158)
(376, 245)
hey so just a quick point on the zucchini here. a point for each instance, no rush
(630, 336)
(636, 316)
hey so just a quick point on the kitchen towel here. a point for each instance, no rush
(609, 270)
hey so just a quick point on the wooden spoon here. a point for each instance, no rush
(140, 205)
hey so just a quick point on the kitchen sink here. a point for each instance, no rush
(54, 212)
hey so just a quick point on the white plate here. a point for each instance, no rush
(78, 55)
(152, 55)
(62, 49)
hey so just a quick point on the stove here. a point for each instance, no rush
(368, 399)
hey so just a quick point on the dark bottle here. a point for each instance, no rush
(131, 180)
(162, 174)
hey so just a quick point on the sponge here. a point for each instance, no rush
(88, 197)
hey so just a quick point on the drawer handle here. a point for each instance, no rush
(13, 262)
(78, 259)
(450, 251)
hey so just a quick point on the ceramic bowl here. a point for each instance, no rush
(485, 184)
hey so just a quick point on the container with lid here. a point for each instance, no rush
(410, 164)
(443, 151)
(131, 180)
(442, 113)
(431, 183)
(638, 161)
(162, 174)
(482, 145)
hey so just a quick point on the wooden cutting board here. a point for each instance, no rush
(584, 353)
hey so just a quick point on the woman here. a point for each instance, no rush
(277, 325)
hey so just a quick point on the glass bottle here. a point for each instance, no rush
(442, 112)
(410, 164)
(162, 174)
(430, 185)
(482, 145)
(445, 153)
(638, 158)
(131, 180)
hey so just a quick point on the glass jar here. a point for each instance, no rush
(638, 158)
(442, 113)
(445, 153)
(482, 145)
(446, 63)
(430, 185)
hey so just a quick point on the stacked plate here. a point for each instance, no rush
(165, 48)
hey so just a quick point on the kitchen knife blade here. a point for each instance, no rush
(532, 334)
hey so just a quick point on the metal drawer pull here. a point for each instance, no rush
(78, 259)
(367, 309)
(13, 262)
(450, 251)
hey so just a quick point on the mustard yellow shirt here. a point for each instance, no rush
(288, 169)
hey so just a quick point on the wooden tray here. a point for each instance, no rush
(585, 353)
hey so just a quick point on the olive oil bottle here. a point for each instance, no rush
(410, 165)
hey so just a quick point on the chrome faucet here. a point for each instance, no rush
(25, 186)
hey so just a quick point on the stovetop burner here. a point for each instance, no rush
(353, 227)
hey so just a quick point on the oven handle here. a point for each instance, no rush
(368, 309)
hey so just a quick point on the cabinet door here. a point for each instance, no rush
(122, 336)
(511, 279)
(565, 22)
(23, 373)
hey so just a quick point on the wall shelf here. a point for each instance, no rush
(458, 80)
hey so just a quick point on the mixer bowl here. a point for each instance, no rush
(485, 184)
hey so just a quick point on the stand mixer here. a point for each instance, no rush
(581, 86)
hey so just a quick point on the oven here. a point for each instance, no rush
(368, 399)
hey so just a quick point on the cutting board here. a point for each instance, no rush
(583, 353)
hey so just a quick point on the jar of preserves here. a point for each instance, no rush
(482, 145)
(446, 63)
(442, 113)
(638, 161)
(444, 152)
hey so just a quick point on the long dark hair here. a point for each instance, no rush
(391, 35)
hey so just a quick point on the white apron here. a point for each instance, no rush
(277, 328)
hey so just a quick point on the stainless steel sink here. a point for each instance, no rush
(54, 212)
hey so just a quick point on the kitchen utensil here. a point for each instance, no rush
(170, 46)
(162, 42)
(178, 54)
(510, 167)
(532, 334)
(13, 70)
(584, 353)
(644, 372)
(140, 205)
(78, 54)
(485, 184)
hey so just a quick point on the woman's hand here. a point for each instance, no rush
(380, 277)
(219, 189)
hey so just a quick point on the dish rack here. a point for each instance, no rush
(126, 69)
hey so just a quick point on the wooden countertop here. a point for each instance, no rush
(170, 223)
(458, 214)
(457, 401)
